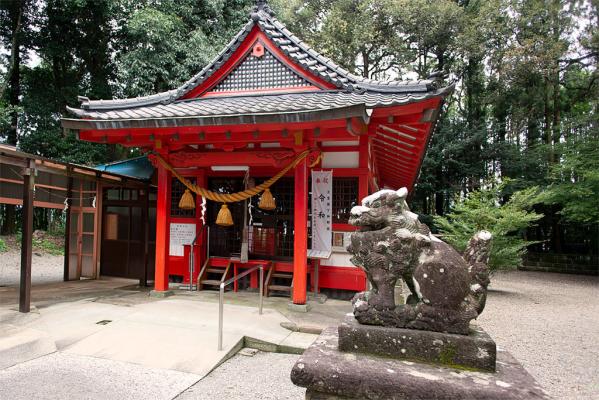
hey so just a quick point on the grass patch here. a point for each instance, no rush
(48, 246)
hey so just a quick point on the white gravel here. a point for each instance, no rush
(264, 376)
(44, 268)
(66, 376)
(550, 323)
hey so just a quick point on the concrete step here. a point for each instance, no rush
(280, 288)
(282, 275)
(211, 282)
(19, 344)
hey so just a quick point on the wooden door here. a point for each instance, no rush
(82, 231)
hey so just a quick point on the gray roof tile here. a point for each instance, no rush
(299, 52)
(259, 104)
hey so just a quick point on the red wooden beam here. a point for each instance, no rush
(327, 131)
(386, 150)
(398, 141)
(385, 141)
(254, 158)
(390, 163)
(300, 241)
(162, 211)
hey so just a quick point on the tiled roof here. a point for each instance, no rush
(299, 52)
(259, 104)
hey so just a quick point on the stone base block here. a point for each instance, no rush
(161, 293)
(474, 351)
(328, 373)
(299, 307)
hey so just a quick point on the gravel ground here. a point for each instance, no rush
(264, 376)
(44, 268)
(550, 323)
(66, 376)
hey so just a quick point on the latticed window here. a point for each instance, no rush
(177, 190)
(345, 196)
(272, 232)
(266, 72)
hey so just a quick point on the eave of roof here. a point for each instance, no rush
(262, 109)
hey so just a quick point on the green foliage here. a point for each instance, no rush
(166, 43)
(575, 182)
(482, 209)
(525, 74)
(48, 246)
(44, 242)
(3, 246)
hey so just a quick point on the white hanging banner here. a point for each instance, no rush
(322, 210)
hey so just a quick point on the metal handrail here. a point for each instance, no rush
(221, 298)
(192, 257)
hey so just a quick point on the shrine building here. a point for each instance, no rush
(235, 149)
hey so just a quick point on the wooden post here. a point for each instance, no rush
(27, 236)
(162, 210)
(146, 232)
(97, 251)
(67, 228)
(300, 241)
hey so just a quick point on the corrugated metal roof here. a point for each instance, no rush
(139, 167)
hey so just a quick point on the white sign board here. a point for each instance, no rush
(322, 210)
(180, 234)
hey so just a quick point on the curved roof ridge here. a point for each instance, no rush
(293, 47)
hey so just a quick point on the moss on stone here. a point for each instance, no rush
(447, 354)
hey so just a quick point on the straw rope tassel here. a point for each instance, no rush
(224, 217)
(267, 202)
(187, 201)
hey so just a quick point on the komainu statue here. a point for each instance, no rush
(448, 290)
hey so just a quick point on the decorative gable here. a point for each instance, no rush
(260, 70)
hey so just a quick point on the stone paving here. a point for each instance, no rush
(59, 376)
(264, 376)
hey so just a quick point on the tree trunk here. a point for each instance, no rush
(547, 129)
(14, 92)
(440, 203)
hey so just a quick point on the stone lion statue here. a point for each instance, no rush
(448, 290)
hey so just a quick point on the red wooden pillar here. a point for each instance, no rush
(162, 210)
(300, 242)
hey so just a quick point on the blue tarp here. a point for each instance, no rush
(139, 167)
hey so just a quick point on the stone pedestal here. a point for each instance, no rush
(474, 351)
(328, 373)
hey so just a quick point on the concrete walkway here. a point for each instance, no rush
(107, 339)
(175, 333)
(60, 376)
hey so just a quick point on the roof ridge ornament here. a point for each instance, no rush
(261, 5)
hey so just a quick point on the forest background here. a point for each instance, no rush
(523, 118)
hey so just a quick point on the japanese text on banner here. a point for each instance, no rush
(322, 193)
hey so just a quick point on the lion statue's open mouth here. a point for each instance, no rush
(447, 290)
